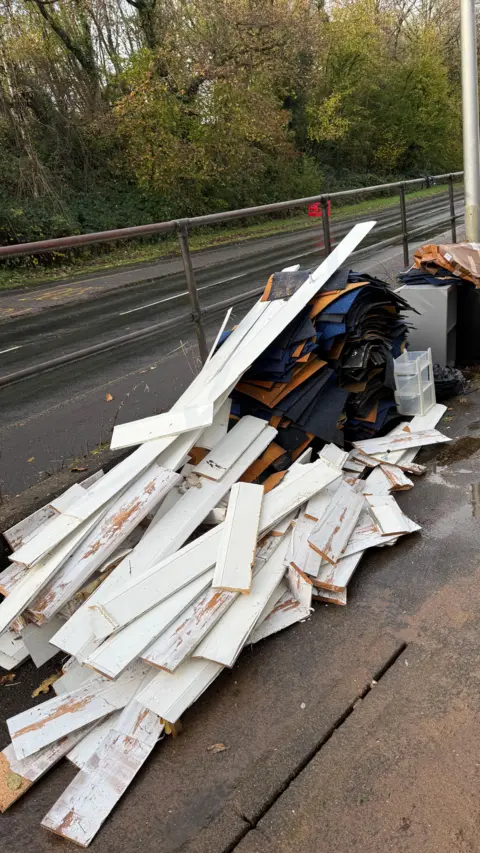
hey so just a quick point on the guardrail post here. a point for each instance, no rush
(182, 231)
(453, 216)
(403, 217)
(327, 240)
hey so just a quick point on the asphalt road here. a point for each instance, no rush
(63, 413)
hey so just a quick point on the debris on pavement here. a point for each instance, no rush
(46, 684)
(216, 747)
(235, 512)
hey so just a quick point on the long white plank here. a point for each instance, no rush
(418, 424)
(225, 641)
(170, 694)
(77, 638)
(300, 586)
(119, 650)
(216, 463)
(193, 624)
(159, 426)
(388, 515)
(36, 727)
(29, 770)
(220, 375)
(85, 804)
(214, 433)
(20, 533)
(336, 578)
(157, 584)
(304, 558)
(111, 531)
(332, 532)
(233, 570)
(248, 351)
(319, 503)
(219, 335)
(13, 650)
(33, 581)
(140, 595)
(168, 533)
(404, 440)
(87, 745)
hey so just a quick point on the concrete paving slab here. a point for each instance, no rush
(401, 773)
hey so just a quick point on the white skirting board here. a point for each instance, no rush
(122, 648)
(329, 597)
(28, 588)
(170, 694)
(286, 611)
(236, 553)
(224, 455)
(87, 745)
(336, 578)
(111, 531)
(404, 440)
(156, 585)
(388, 515)
(192, 625)
(29, 770)
(81, 810)
(214, 433)
(159, 426)
(225, 641)
(43, 724)
(332, 532)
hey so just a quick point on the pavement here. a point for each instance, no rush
(63, 414)
(355, 730)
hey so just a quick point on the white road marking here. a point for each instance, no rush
(10, 349)
(184, 293)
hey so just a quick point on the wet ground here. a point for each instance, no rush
(318, 757)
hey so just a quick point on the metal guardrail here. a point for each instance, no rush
(182, 228)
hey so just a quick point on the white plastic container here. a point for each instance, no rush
(414, 382)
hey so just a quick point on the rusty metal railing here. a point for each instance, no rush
(183, 227)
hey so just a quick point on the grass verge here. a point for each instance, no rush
(203, 238)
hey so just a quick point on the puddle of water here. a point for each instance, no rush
(459, 450)
(475, 498)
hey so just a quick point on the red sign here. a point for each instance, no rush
(315, 209)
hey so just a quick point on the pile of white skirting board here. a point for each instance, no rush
(153, 577)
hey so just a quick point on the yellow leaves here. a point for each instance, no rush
(108, 398)
(7, 679)
(216, 747)
(46, 684)
(325, 121)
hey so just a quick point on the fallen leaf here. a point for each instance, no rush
(46, 684)
(4, 679)
(217, 747)
(14, 781)
(108, 398)
(32, 459)
(78, 469)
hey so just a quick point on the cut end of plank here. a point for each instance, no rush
(12, 785)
